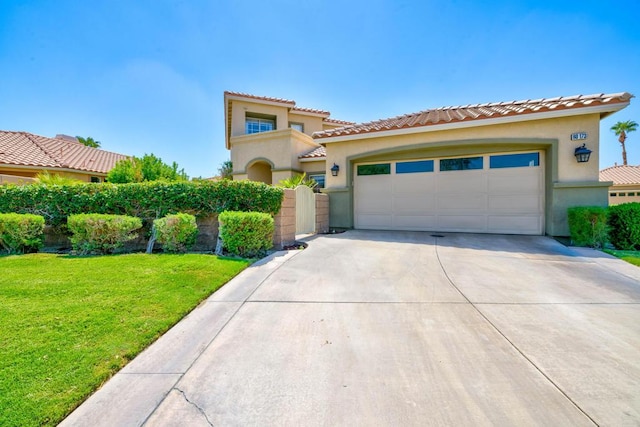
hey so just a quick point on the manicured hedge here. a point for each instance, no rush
(21, 233)
(147, 200)
(588, 226)
(246, 234)
(624, 221)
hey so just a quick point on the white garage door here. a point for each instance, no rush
(496, 193)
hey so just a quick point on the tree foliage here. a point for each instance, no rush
(147, 168)
(621, 129)
(89, 142)
(225, 171)
(298, 180)
(45, 178)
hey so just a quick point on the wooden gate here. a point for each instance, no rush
(305, 210)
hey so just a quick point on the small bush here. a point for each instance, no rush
(246, 234)
(177, 233)
(624, 223)
(21, 233)
(100, 233)
(588, 226)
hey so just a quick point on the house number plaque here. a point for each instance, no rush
(578, 136)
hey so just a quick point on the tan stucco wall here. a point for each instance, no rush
(239, 109)
(553, 136)
(313, 167)
(281, 148)
(311, 124)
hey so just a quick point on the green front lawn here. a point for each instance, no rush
(69, 323)
(632, 257)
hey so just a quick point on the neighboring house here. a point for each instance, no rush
(626, 183)
(507, 167)
(23, 155)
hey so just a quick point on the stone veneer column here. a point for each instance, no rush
(284, 232)
(322, 213)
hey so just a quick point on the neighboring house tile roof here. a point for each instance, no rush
(469, 112)
(315, 153)
(26, 149)
(621, 175)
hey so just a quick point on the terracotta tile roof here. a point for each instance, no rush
(339, 122)
(310, 110)
(26, 149)
(260, 98)
(469, 112)
(315, 153)
(621, 175)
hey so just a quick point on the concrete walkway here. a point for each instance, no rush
(397, 328)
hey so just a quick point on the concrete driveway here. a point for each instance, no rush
(397, 328)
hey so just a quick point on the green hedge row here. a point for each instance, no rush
(594, 226)
(147, 200)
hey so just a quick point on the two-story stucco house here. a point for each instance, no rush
(508, 167)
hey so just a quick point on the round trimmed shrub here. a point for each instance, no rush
(246, 234)
(20, 233)
(101, 233)
(176, 233)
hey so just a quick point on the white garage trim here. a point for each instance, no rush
(491, 193)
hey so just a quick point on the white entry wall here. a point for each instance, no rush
(492, 193)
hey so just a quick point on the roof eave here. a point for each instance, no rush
(257, 100)
(53, 168)
(603, 110)
(323, 114)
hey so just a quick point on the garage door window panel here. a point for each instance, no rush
(414, 167)
(519, 160)
(376, 169)
(465, 163)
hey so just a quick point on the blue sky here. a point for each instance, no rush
(148, 76)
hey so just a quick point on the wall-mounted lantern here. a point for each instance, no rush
(334, 170)
(582, 154)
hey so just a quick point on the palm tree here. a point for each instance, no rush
(621, 129)
(89, 142)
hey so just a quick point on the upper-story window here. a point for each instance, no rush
(297, 126)
(259, 124)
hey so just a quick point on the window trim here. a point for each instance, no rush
(260, 118)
